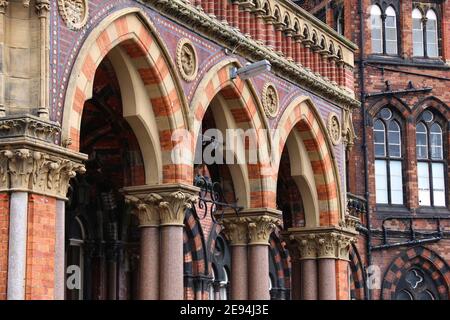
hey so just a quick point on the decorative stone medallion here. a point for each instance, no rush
(187, 61)
(270, 100)
(75, 13)
(334, 129)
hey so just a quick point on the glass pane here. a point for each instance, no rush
(396, 182)
(425, 295)
(375, 18)
(427, 116)
(438, 184)
(386, 114)
(421, 141)
(432, 42)
(380, 139)
(436, 142)
(423, 184)
(394, 140)
(381, 181)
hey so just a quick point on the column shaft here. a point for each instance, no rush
(171, 281)
(327, 279)
(239, 274)
(17, 245)
(60, 267)
(149, 264)
(309, 279)
(258, 277)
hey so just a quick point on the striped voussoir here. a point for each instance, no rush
(357, 283)
(242, 104)
(424, 259)
(135, 39)
(302, 118)
(193, 240)
(282, 270)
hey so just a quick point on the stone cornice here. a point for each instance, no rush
(28, 126)
(200, 22)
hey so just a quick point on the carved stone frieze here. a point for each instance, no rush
(28, 126)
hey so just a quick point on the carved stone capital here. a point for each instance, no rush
(42, 8)
(235, 230)
(322, 243)
(168, 201)
(305, 246)
(29, 170)
(260, 229)
(173, 206)
(28, 126)
(146, 210)
(3, 6)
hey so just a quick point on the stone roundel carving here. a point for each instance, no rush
(187, 61)
(334, 129)
(75, 13)
(270, 100)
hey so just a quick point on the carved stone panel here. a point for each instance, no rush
(75, 13)
(334, 129)
(270, 100)
(187, 61)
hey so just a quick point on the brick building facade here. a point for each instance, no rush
(103, 105)
(399, 163)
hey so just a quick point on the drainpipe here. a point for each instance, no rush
(362, 61)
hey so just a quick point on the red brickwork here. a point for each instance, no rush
(40, 273)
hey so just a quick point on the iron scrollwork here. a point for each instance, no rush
(212, 200)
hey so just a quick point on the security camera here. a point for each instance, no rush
(251, 70)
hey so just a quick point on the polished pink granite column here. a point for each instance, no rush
(171, 275)
(309, 279)
(258, 274)
(327, 279)
(149, 264)
(239, 274)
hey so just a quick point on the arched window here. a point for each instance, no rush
(430, 161)
(425, 34)
(384, 30)
(391, 31)
(340, 21)
(388, 159)
(377, 29)
(416, 285)
(417, 33)
(432, 34)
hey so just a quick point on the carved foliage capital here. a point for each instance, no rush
(236, 230)
(260, 229)
(173, 205)
(28, 126)
(146, 210)
(35, 171)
